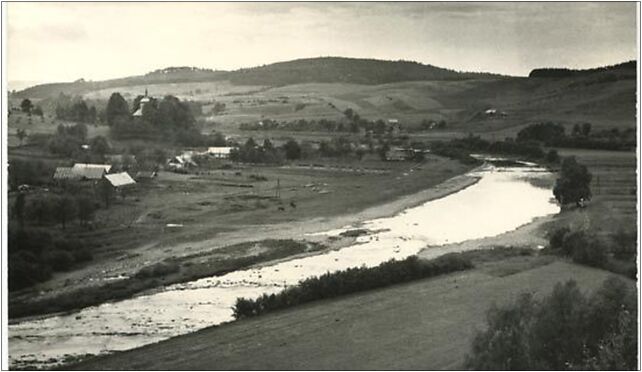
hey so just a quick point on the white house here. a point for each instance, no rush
(220, 152)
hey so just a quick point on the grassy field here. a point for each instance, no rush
(614, 188)
(427, 324)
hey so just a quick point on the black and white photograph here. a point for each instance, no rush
(320, 185)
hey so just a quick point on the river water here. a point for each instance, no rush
(503, 199)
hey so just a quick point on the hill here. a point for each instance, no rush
(345, 70)
(161, 76)
(301, 71)
(626, 69)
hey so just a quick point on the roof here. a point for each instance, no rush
(145, 174)
(106, 167)
(120, 179)
(219, 150)
(138, 112)
(65, 173)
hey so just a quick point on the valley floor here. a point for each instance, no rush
(426, 324)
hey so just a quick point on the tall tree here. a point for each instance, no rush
(116, 107)
(573, 184)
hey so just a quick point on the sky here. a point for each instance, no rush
(50, 42)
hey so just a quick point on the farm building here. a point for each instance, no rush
(82, 172)
(119, 180)
(220, 152)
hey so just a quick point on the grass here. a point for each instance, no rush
(425, 324)
(614, 188)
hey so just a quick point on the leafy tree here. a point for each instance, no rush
(86, 209)
(563, 331)
(106, 192)
(586, 129)
(292, 150)
(349, 113)
(66, 209)
(573, 184)
(100, 145)
(116, 107)
(38, 111)
(26, 106)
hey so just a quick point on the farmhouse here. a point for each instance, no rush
(81, 172)
(220, 152)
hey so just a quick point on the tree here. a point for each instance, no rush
(116, 107)
(573, 184)
(86, 209)
(349, 113)
(99, 145)
(21, 134)
(564, 331)
(26, 105)
(38, 112)
(66, 209)
(586, 129)
(106, 192)
(292, 150)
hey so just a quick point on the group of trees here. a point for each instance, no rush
(27, 107)
(351, 280)
(251, 152)
(352, 123)
(35, 253)
(75, 110)
(566, 330)
(49, 208)
(167, 118)
(582, 136)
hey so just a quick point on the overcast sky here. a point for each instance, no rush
(95, 41)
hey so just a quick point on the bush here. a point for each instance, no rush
(349, 281)
(582, 248)
(563, 331)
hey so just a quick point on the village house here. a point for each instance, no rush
(220, 152)
(119, 182)
(81, 172)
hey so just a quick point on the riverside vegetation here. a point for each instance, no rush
(351, 280)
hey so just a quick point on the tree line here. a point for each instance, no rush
(351, 280)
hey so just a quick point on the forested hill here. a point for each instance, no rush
(345, 70)
(313, 70)
(622, 70)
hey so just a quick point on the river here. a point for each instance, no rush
(503, 199)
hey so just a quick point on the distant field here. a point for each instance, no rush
(192, 91)
(47, 125)
(423, 325)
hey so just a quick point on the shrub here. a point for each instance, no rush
(349, 281)
(564, 331)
